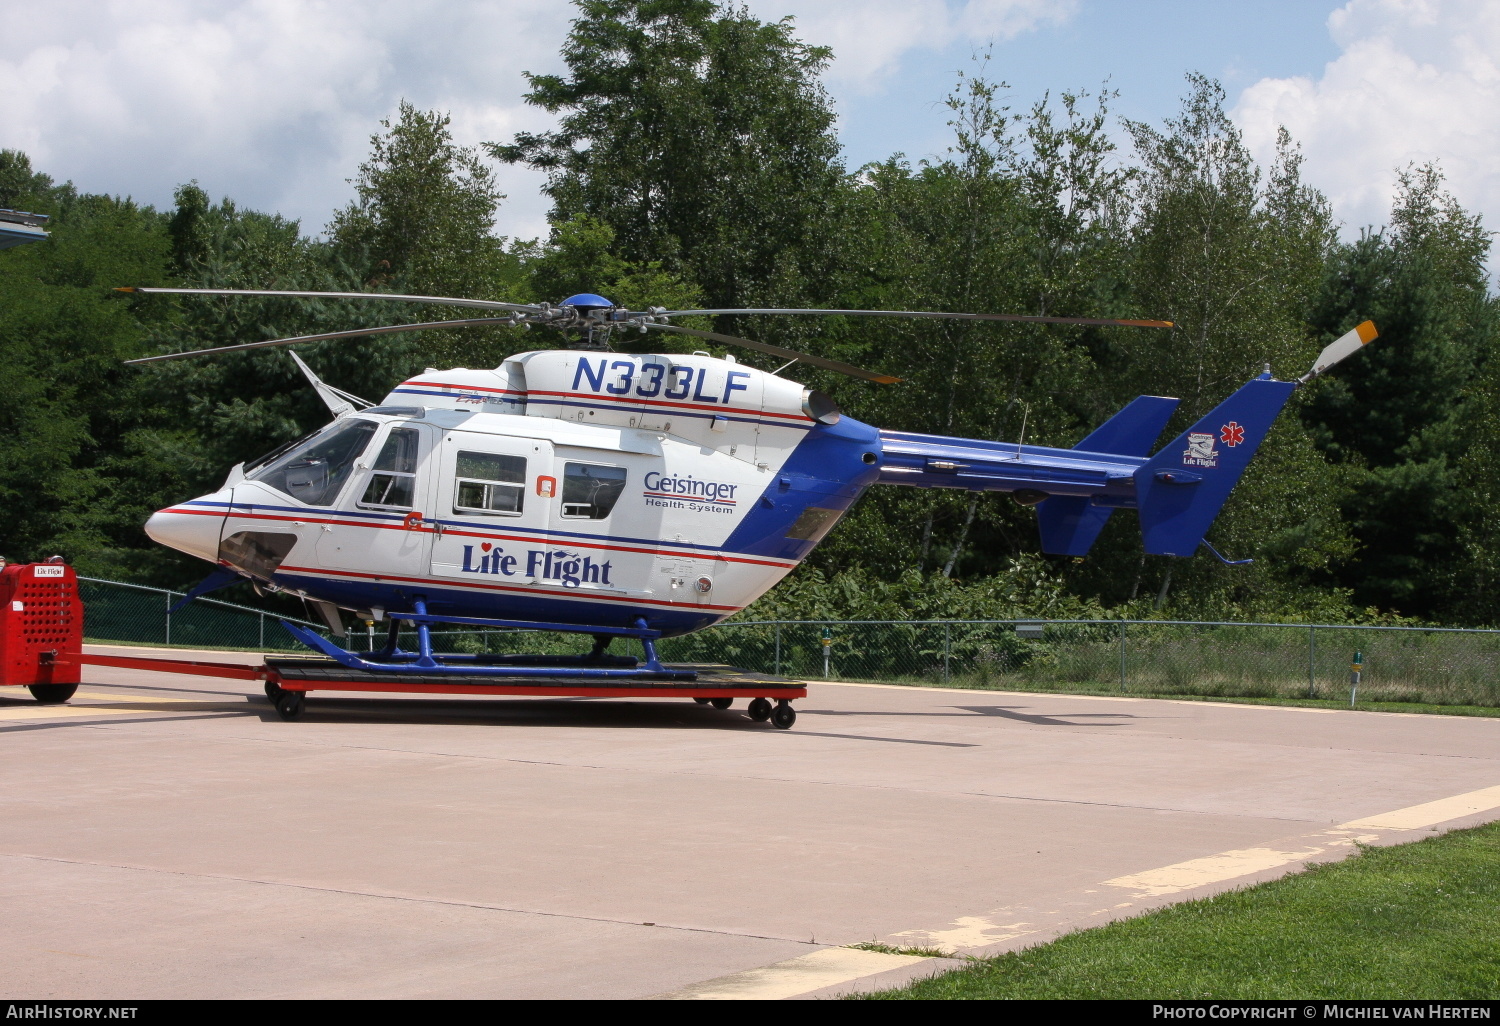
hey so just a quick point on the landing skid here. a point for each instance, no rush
(597, 665)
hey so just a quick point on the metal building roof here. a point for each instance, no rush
(18, 227)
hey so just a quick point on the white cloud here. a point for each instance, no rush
(272, 102)
(1417, 80)
(269, 101)
(871, 39)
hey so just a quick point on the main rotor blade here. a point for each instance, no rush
(385, 330)
(483, 304)
(1028, 318)
(785, 354)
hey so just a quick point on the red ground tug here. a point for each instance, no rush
(41, 630)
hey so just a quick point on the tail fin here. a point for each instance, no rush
(1181, 489)
(1069, 524)
(1133, 430)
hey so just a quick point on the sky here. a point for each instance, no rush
(272, 102)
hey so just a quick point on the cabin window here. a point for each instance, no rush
(590, 491)
(393, 485)
(489, 483)
(314, 472)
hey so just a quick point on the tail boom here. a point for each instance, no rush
(1177, 492)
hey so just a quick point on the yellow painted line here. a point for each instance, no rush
(117, 697)
(60, 712)
(1227, 865)
(969, 932)
(1431, 813)
(814, 971)
(979, 931)
(119, 705)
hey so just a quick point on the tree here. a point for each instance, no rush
(423, 223)
(1399, 419)
(20, 186)
(1234, 262)
(66, 400)
(698, 134)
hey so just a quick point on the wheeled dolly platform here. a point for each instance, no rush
(289, 679)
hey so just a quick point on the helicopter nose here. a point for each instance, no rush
(188, 528)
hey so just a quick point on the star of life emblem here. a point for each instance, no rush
(1200, 451)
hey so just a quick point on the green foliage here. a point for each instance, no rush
(581, 257)
(422, 224)
(699, 134)
(1027, 587)
(65, 399)
(1402, 417)
(694, 165)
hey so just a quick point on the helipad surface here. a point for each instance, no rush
(168, 836)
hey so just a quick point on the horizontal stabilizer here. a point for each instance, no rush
(1069, 524)
(1181, 489)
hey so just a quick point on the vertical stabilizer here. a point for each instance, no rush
(1181, 489)
(1069, 524)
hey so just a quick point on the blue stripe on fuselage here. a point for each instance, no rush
(535, 607)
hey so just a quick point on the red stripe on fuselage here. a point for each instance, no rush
(632, 400)
(636, 400)
(496, 535)
(470, 388)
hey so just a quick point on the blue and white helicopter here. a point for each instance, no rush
(623, 495)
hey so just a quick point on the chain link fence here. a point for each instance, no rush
(138, 615)
(1442, 666)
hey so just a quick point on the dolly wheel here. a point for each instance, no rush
(721, 703)
(760, 709)
(289, 705)
(784, 715)
(52, 694)
(274, 691)
(701, 701)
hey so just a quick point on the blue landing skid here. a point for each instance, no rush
(595, 666)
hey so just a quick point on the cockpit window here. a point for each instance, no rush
(315, 471)
(394, 482)
(280, 450)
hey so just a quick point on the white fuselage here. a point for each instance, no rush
(566, 487)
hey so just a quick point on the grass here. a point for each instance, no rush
(890, 949)
(1413, 921)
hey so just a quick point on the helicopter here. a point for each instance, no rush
(641, 496)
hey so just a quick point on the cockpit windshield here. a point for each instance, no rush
(315, 470)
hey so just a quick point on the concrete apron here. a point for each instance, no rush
(170, 836)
